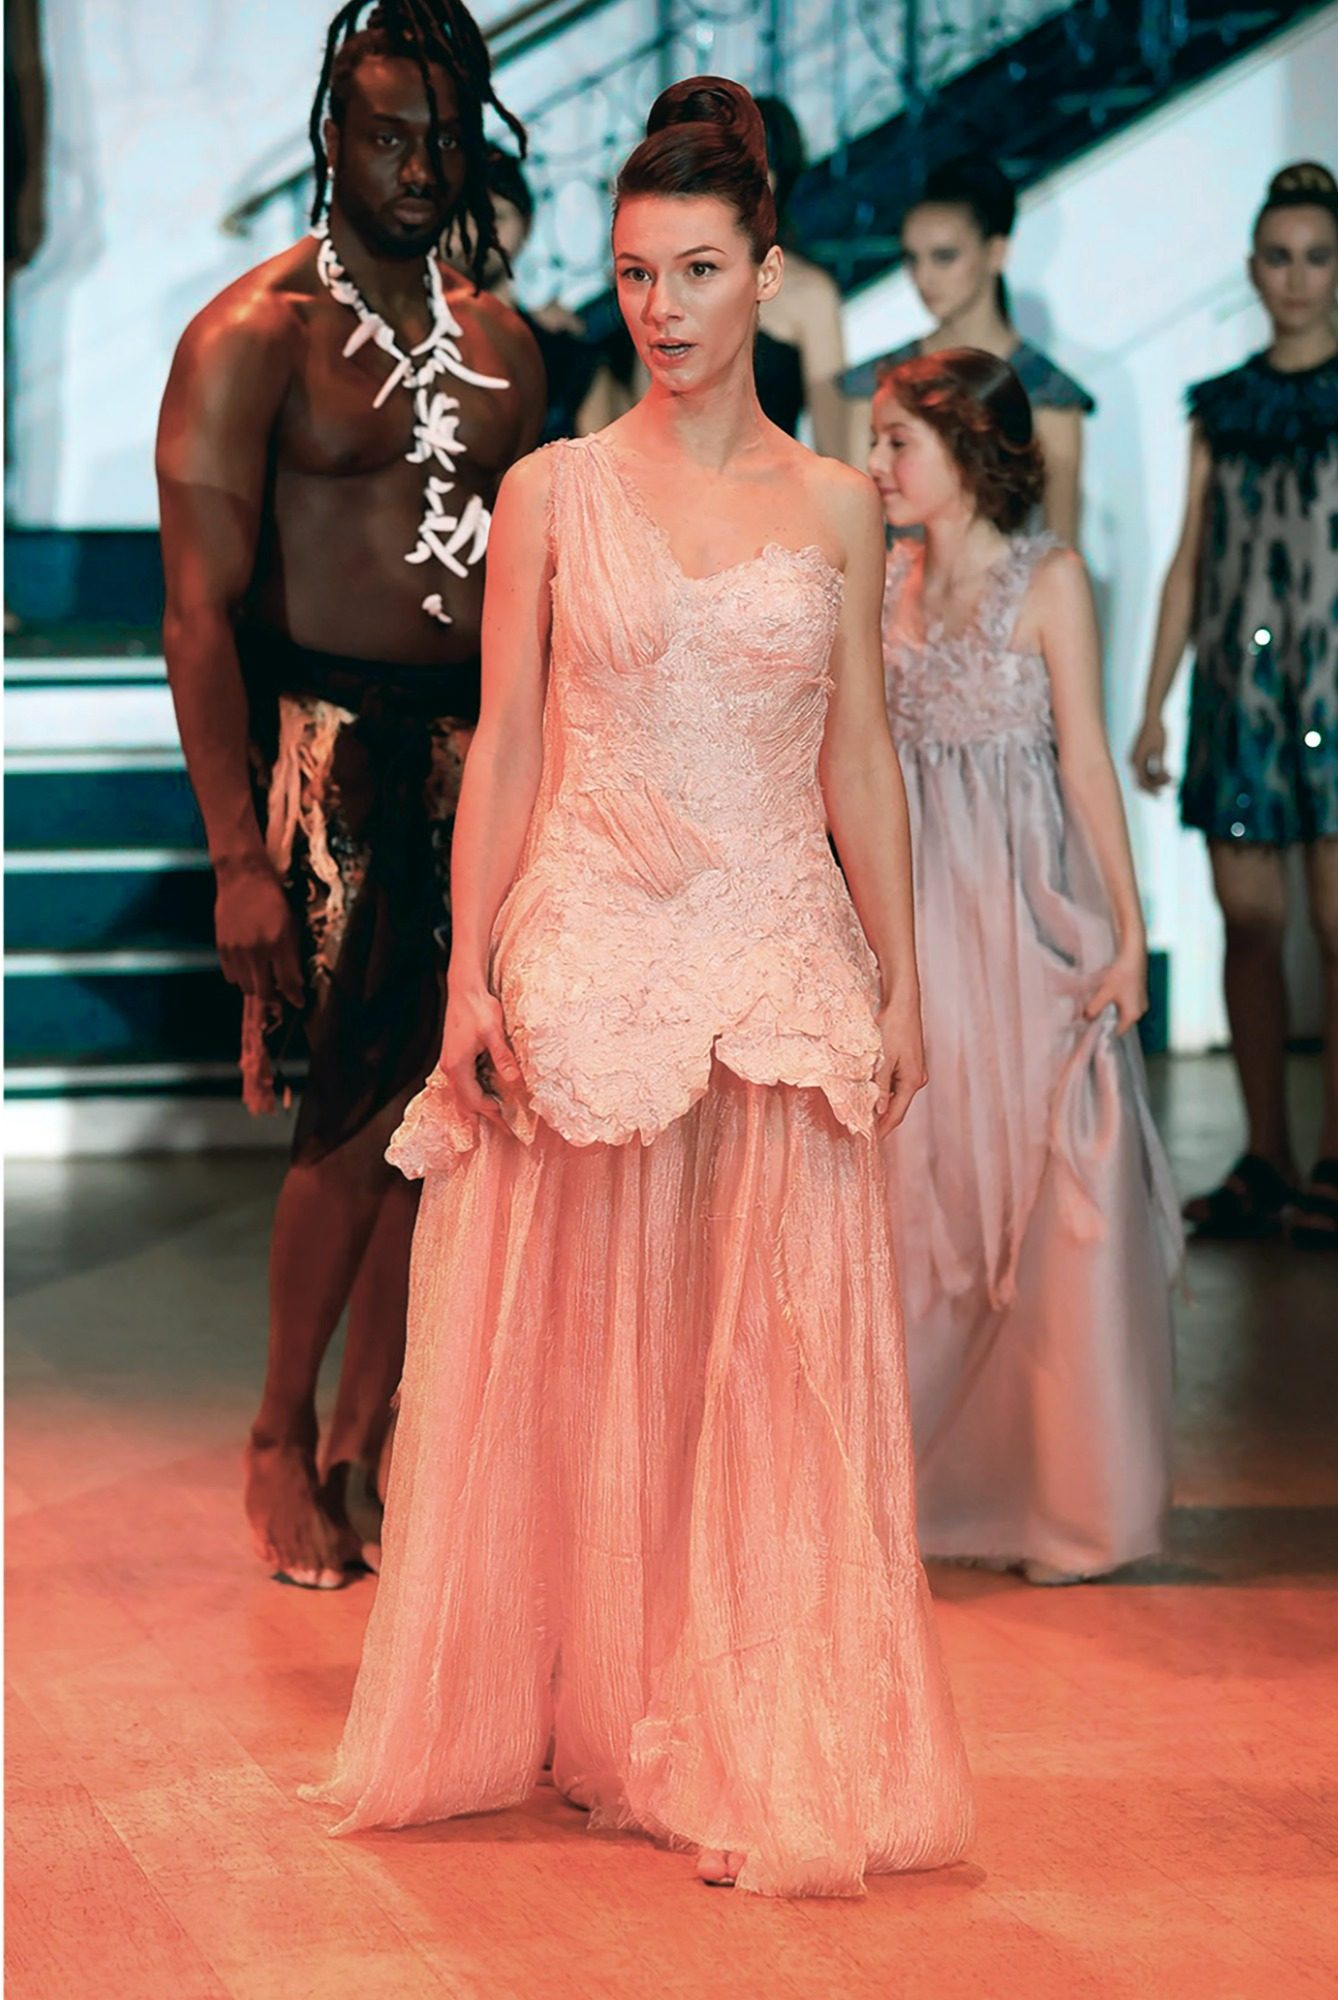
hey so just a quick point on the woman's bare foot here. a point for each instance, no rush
(719, 1869)
(291, 1530)
(1048, 1577)
(578, 1795)
(349, 1499)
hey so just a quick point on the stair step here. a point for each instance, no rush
(118, 714)
(99, 800)
(114, 1125)
(68, 667)
(127, 1079)
(118, 1007)
(82, 900)
(99, 647)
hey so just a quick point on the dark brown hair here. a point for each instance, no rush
(1305, 184)
(706, 137)
(981, 411)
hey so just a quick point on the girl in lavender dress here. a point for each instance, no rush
(1032, 1206)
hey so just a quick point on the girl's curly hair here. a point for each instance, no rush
(981, 411)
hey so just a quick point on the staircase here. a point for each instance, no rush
(1072, 81)
(120, 1033)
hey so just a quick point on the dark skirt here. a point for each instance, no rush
(357, 769)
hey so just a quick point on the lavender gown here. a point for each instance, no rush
(1035, 1221)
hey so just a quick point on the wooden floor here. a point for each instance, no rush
(1157, 1758)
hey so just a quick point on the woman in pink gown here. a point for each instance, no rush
(652, 1494)
(1032, 1205)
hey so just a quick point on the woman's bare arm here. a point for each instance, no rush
(1065, 616)
(1059, 434)
(1173, 622)
(866, 799)
(501, 779)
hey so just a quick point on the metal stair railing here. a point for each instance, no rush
(847, 66)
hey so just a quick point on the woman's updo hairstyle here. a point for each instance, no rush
(1305, 184)
(975, 182)
(981, 411)
(978, 184)
(705, 137)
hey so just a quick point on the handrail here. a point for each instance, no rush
(515, 35)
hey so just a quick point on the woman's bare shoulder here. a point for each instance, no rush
(847, 498)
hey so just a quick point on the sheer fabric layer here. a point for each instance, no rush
(652, 1491)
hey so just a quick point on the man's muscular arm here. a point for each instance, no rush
(524, 365)
(223, 396)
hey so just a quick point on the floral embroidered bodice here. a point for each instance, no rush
(677, 896)
(968, 686)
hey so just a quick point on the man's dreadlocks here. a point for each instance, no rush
(422, 32)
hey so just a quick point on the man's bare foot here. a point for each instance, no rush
(719, 1869)
(350, 1500)
(291, 1530)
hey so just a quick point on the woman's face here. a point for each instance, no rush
(953, 266)
(688, 286)
(1295, 268)
(909, 463)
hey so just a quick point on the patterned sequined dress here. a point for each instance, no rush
(1262, 759)
(652, 1486)
(1035, 1221)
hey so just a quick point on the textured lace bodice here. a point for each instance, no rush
(970, 686)
(677, 897)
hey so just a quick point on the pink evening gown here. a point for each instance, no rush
(652, 1492)
(1036, 1226)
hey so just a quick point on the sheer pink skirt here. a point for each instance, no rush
(652, 1497)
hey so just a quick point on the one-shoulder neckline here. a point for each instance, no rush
(809, 551)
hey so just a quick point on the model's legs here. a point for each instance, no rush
(373, 1361)
(1321, 862)
(326, 1218)
(1251, 890)
(1315, 1221)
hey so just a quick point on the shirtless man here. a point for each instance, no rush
(334, 431)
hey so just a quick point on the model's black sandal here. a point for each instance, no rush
(1313, 1215)
(1250, 1203)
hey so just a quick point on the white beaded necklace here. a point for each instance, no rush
(457, 541)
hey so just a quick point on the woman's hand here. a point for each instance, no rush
(1124, 986)
(1148, 756)
(476, 1055)
(902, 1070)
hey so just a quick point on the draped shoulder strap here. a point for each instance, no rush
(559, 468)
(582, 491)
(1007, 587)
(610, 577)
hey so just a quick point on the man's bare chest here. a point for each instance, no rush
(343, 417)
